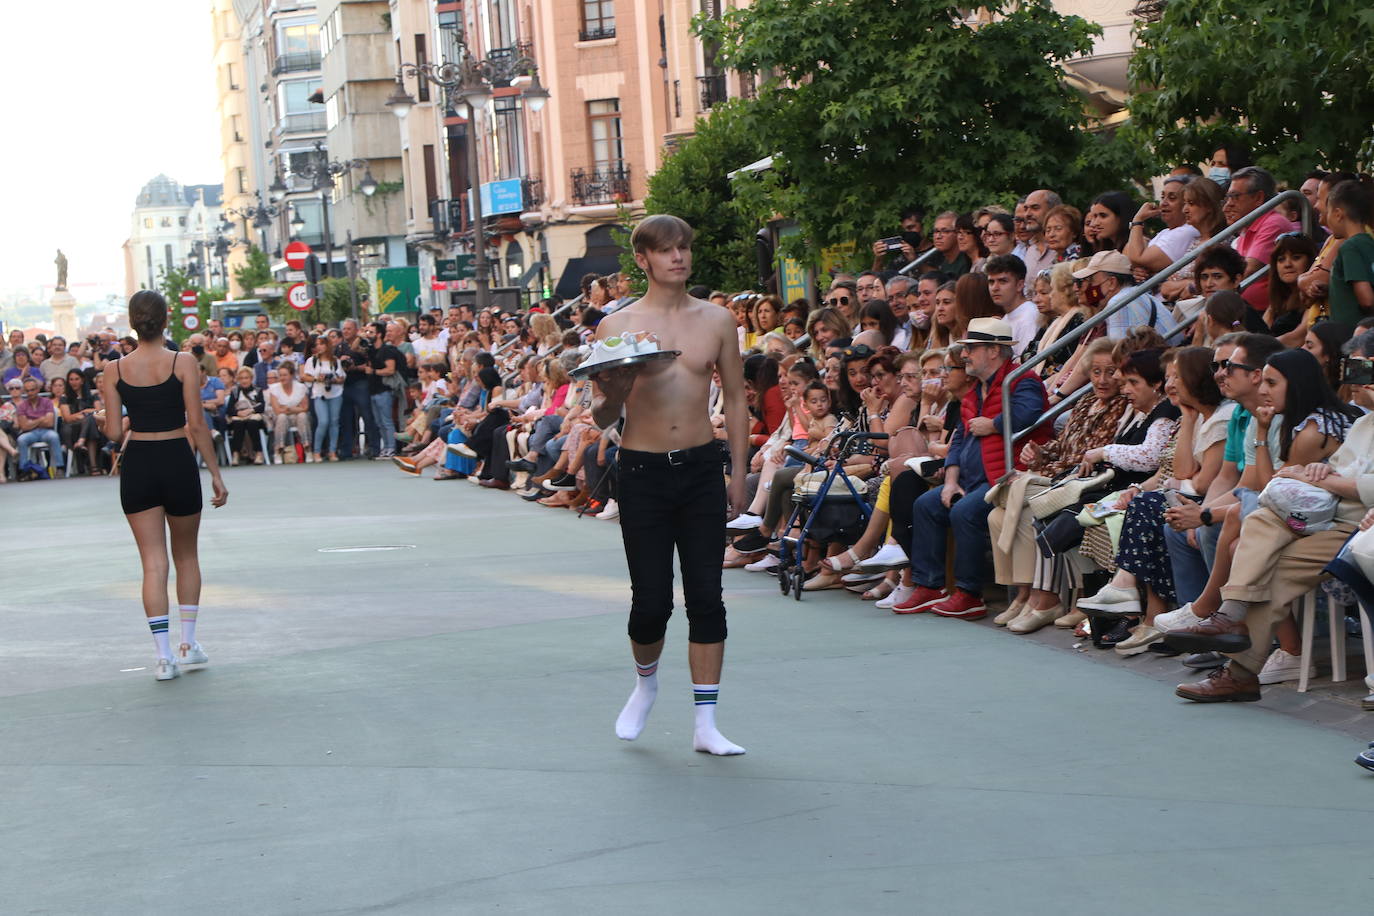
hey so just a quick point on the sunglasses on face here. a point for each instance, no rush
(838, 300)
(1227, 366)
(862, 351)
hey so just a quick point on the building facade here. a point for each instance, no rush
(170, 226)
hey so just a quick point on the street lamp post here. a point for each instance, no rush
(261, 215)
(471, 80)
(322, 171)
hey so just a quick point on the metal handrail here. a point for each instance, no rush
(554, 314)
(1063, 343)
(1066, 403)
(919, 260)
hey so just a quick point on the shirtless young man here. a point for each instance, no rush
(672, 491)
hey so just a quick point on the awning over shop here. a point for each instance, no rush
(570, 282)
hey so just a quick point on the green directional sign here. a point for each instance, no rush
(459, 268)
(398, 289)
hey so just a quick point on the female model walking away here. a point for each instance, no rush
(159, 486)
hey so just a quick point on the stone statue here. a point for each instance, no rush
(61, 262)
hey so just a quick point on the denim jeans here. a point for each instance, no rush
(969, 522)
(673, 506)
(54, 442)
(383, 405)
(357, 405)
(327, 412)
(1190, 564)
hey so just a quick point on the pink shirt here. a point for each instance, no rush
(1257, 241)
(36, 411)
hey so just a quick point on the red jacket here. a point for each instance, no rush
(993, 449)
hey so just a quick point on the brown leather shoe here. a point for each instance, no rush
(1228, 684)
(1214, 634)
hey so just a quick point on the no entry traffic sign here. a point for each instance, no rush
(295, 254)
(298, 297)
(189, 297)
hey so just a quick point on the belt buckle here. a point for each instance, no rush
(677, 458)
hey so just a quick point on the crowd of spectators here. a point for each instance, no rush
(1204, 402)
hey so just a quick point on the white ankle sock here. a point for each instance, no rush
(631, 720)
(159, 627)
(188, 623)
(707, 738)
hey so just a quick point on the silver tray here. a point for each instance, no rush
(639, 359)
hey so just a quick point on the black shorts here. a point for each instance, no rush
(159, 472)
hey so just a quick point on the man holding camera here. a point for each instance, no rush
(355, 355)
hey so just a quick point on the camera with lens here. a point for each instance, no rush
(892, 244)
(1357, 371)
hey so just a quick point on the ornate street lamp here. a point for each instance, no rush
(471, 80)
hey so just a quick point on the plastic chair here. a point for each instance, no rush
(1305, 609)
(44, 450)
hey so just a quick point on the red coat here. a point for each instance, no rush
(993, 449)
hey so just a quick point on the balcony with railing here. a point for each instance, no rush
(301, 123)
(608, 184)
(713, 90)
(597, 31)
(532, 190)
(295, 62)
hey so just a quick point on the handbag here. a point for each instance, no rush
(1067, 493)
(905, 444)
(1304, 508)
(809, 484)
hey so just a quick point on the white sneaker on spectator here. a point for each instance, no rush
(166, 670)
(1112, 598)
(610, 513)
(899, 594)
(1280, 666)
(745, 521)
(857, 578)
(461, 448)
(768, 562)
(889, 556)
(1177, 620)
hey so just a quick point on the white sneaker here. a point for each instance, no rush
(745, 521)
(1280, 666)
(889, 556)
(610, 513)
(769, 561)
(1177, 620)
(858, 578)
(194, 655)
(1112, 598)
(461, 448)
(166, 669)
(899, 594)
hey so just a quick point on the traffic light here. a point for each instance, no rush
(314, 273)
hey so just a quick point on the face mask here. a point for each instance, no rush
(235, 344)
(1093, 296)
(198, 351)
(920, 320)
(1219, 173)
(932, 385)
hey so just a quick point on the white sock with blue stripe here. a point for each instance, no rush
(707, 738)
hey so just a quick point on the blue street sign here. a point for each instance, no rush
(502, 197)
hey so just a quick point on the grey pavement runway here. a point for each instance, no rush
(429, 730)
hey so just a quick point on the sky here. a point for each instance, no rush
(101, 97)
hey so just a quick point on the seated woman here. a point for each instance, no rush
(1189, 466)
(1094, 421)
(1133, 456)
(1064, 233)
(244, 409)
(770, 458)
(80, 429)
(1293, 255)
(290, 403)
(1326, 341)
(1302, 422)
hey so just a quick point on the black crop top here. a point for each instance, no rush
(153, 408)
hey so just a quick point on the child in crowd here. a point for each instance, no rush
(1349, 209)
(821, 419)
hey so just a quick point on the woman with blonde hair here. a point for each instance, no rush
(825, 325)
(945, 326)
(1057, 298)
(1201, 210)
(545, 331)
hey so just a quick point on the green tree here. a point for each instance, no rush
(336, 304)
(1291, 80)
(692, 184)
(172, 283)
(254, 272)
(870, 105)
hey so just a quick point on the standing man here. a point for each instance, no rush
(1037, 255)
(672, 494)
(1006, 280)
(355, 356)
(1249, 188)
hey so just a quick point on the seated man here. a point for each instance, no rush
(36, 422)
(1110, 282)
(975, 461)
(1277, 566)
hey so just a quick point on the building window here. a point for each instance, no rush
(147, 222)
(329, 32)
(234, 126)
(604, 116)
(598, 19)
(422, 58)
(229, 75)
(242, 174)
(333, 110)
(311, 210)
(298, 47)
(181, 221)
(510, 138)
(167, 254)
(296, 110)
(166, 222)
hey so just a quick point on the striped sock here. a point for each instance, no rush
(648, 670)
(188, 623)
(159, 627)
(708, 738)
(631, 720)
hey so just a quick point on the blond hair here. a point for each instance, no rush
(660, 231)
